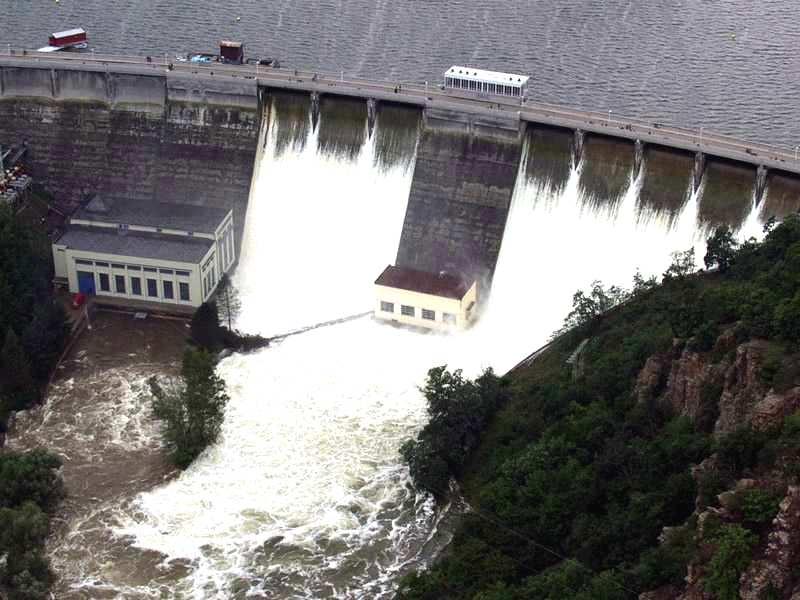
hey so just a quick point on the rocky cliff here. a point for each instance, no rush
(734, 388)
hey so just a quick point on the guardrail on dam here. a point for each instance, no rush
(130, 127)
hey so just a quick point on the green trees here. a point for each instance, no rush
(734, 544)
(32, 326)
(192, 411)
(459, 410)
(720, 249)
(587, 306)
(206, 331)
(17, 387)
(590, 468)
(30, 488)
(228, 303)
(209, 334)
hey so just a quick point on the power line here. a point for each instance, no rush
(495, 521)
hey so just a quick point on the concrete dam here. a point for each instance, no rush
(129, 130)
(305, 495)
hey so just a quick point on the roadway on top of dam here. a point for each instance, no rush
(431, 96)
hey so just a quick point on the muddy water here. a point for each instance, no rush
(98, 420)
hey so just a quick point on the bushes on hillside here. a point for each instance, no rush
(578, 467)
(33, 326)
(30, 488)
(458, 411)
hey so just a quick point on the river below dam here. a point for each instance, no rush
(304, 495)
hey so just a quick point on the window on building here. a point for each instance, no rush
(83, 262)
(428, 315)
(448, 318)
(119, 283)
(387, 306)
(183, 273)
(407, 311)
(152, 288)
(183, 288)
(105, 285)
(113, 266)
(149, 270)
(136, 286)
(169, 293)
(134, 268)
(101, 264)
(165, 271)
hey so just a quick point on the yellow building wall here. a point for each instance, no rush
(438, 304)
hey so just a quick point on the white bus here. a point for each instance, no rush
(486, 82)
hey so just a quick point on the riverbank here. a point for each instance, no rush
(97, 418)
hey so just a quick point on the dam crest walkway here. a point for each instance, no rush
(428, 96)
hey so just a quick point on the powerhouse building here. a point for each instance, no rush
(438, 301)
(169, 255)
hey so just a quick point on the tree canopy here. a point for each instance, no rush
(192, 410)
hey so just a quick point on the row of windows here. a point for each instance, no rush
(167, 287)
(119, 267)
(482, 86)
(209, 277)
(227, 247)
(410, 311)
(121, 282)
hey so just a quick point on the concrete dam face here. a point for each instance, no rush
(192, 139)
(305, 494)
(131, 137)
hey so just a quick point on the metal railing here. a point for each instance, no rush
(427, 92)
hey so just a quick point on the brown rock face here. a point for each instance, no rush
(781, 556)
(689, 373)
(650, 378)
(774, 408)
(743, 389)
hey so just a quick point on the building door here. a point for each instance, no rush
(86, 283)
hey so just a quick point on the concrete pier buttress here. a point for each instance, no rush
(131, 137)
(464, 177)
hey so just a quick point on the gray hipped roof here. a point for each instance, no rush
(136, 244)
(185, 217)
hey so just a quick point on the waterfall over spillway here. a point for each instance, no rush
(305, 495)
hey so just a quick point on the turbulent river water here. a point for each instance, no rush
(304, 496)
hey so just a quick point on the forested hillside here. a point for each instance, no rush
(33, 332)
(651, 449)
(32, 324)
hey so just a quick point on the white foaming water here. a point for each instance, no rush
(305, 494)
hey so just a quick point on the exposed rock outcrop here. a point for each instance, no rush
(774, 569)
(743, 388)
(774, 408)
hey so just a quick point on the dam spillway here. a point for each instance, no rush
(187, 134)
(305, 495)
